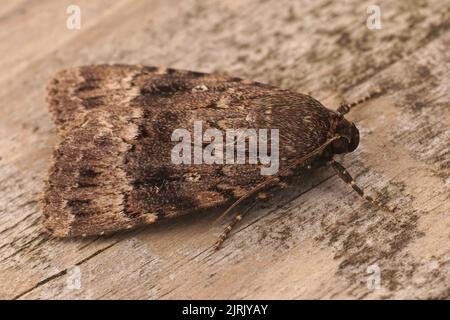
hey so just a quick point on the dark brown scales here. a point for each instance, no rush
(112, 168)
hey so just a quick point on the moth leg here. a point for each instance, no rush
(228, 229)
(276, 179)
(346, 107)
(344, 175)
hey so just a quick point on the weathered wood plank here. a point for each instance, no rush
(313, 240)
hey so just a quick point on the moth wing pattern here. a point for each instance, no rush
(112, 166)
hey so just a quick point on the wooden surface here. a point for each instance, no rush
(314, 240)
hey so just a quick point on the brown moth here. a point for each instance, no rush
(112, 166)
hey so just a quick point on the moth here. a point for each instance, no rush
(112, 167)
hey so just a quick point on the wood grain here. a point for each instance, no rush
(315, 239)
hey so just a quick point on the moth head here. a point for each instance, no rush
(349, 136)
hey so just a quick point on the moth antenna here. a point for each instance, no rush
(346, 107)
(275, 178)
(230, 227)
(344, 175)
